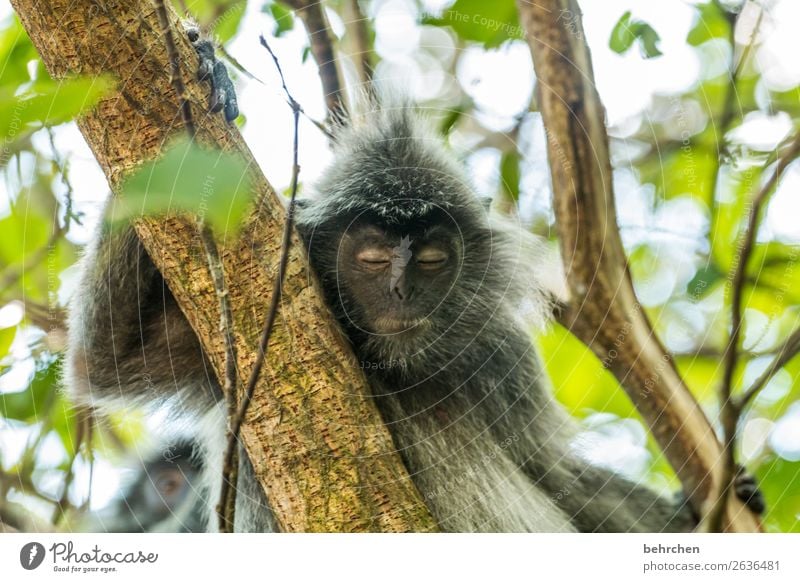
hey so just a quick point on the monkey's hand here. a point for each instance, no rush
(223, 94)
(747, 491)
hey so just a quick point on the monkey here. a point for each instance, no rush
(432, 292)
(163, 495)
(464, 395)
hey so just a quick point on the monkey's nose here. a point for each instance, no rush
(403, 292)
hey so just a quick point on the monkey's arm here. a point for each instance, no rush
(129, 343)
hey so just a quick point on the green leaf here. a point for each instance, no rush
(212, 184)
(488, 23)
(580, 380)
(283, 16)
(6, 339)
(779, 481)
(710, 23)
(49, 102)
(227, 24)
(626, 32)
(451, 118)
(648, 41)
(16, 51)
(510, 175)
(703, 281)
(33, 403)
(622, 37)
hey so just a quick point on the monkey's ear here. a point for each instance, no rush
(299, 203)
(486, 202)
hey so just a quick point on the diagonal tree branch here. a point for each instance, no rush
(322, 39)
(786, 353)
(603, 310)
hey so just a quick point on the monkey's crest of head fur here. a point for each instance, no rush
(390, 165)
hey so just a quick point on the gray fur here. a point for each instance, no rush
(467, 403)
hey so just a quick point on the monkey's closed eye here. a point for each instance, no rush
(373, 257)
(431, 258)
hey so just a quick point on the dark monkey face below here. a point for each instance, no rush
(398, 278)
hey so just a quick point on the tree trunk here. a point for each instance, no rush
(603, 310)
(318, 445)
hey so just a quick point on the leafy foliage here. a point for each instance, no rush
(488, 23)
(628, 31)
(213, 185)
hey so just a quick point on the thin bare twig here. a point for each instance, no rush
(228, 494)
(729, 411)
(729, 111)
(786, 352)
(225, 512)
(241, 68)
(63, 169)
(175, 68)
(12, 276)
(748, 48)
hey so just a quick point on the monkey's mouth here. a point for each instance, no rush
(388, 324)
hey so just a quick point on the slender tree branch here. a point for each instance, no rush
(786, 353)
(239, 67)
(225, 511)
(321, 39)
(63, 169)
(604, 311)
(748, 48)
(359, 44)
(729, 411)
(729, 110)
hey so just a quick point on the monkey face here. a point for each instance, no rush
(394, 280)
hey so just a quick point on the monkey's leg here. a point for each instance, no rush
(599, 500)
(223, 93)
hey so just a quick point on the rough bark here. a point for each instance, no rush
(603, 310)
(320, 450)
